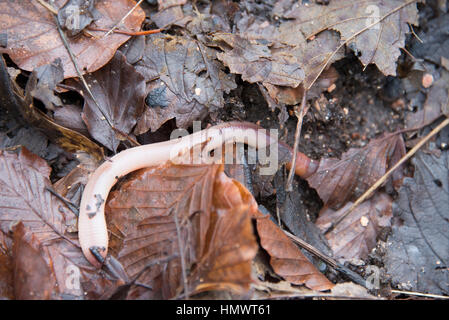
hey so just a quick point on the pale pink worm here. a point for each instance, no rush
(92, 230)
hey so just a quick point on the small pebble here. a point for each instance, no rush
(427, 80)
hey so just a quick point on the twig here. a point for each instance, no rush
(357, 34)
(413, 32)
(128, 33)
(355, 277)
(123, 19)
(299, 116)
(181, 253)
(48, 6)
(420, 294)
(78, 72)
(379, 182)
(69, 204)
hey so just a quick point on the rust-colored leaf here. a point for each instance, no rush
(47, 261)
(285, 257)
(163, 208)
(120, 92)
(356, 235)
(338, 181)
(33, 39)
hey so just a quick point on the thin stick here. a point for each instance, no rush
(78, 72)
(69, 204)
(357, 34)
(420, 294)
(128, 33)
(300, 116)
(123, 19)
(181, 253)
(379, 182)
(355, 277)
(48, 6)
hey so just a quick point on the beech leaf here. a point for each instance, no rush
(339, 181)
(417, 251)
(120, 92)
(184, 81)
(375, 28)
(33, 38)
(356, 235)
(162, 207)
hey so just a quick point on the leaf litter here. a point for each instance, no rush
(266, 49)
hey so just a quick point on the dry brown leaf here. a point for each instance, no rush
(144, 217)
(356, 235)
(47, 261)
(339, 181)
(257, 63)
(13, 98)
(120, 92)
(6, 270)
(33, 39)
(184, 81)
(377, 43)
(279, 57)
(285, 257)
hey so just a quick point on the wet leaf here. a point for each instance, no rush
(120, 92)
(47, 262)
(33, 39)
(417, 252)
(13, 99)
(184, 81)
(76, 15)
(436, 104)
(373, 42)
(146, 213)
(356, 235)
(286, 258)
(257, 63)
(338, 181)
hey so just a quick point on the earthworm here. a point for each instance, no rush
(92, 230)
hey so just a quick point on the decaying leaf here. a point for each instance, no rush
(356, 235)
(120, 92)
(85, 13)
(257, 63)
(42, 83)
(339, 181)
(184, 81)
(279, 57)
(13, 98)
(173, 210)
(374, 29)
(33, 39)
(286, 258)
(436, 104)
(417, 252)
(47, 261)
